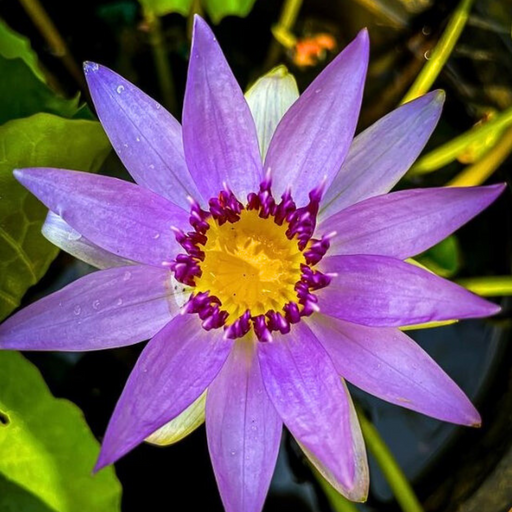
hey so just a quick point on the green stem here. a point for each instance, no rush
(338, 502)
(441, 52)
(55, 41)
(496, 286)
(289, 14)
(395, 477)
(476, 174)
(448, 152)
(286, 22)
(195, 8)
(161, 60)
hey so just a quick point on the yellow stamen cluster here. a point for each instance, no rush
(250, 265)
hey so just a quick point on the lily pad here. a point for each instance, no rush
(40, 140)
(47, 449)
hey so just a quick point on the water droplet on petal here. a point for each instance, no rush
(138, 139)
(233, 453)
(77, 310)
(127, 275)
(318, 90)
(119, 302)
(151, 166)
(156, 236)
(96, 304)
(120, 89)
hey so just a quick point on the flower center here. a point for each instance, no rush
(250, 265)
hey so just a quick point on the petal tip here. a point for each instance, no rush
(439, 96)
(363, 41)
(500, 187)
(200, 27)
(103, 461)
(90, 67)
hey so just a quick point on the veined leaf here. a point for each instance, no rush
(41, 140)
(48, 451)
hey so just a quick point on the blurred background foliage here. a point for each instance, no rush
(46, 447)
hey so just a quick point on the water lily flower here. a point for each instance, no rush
(261, 254)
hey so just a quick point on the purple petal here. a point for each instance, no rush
(388, 364)
(221, 145)
(174, 369)
(314, 136)
(105, 309)
(403, 224)
(384, 292)
(121, 217)
(243, 431)
(146, 137)
(313, 403)
(383, 153)
(61, 234)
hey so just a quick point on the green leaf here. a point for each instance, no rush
(218, 9)
(22, 94)
(14, 45)
(47, 448)
(444, 258)
(42, 140)
(163, 7)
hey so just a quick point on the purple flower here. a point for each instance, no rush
(260, 283)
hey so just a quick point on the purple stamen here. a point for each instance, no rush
(227, 208)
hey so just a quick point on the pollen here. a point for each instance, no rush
(250, 265)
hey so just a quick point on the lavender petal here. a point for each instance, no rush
(384, 292)
(313, 403)
(118, 216)
(243, 431)
(146, 137)
(386, 363)
(314, 136)
(174, 369)
(105, 309)
(221, 144)
(383, 153)
(403, 224)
